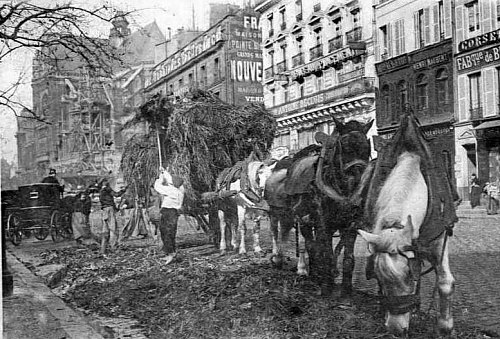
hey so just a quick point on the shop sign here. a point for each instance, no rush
(428, 133)
(330, 60)
(245, 58)
(477, 59)
(352, 75)
(432, 61)
(339, 92)
(489, 38)
(192, 50)
(391, 64)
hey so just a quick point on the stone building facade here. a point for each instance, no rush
(318, 63)
(85, 110)
(415, 71)
(477, 108)
(225, 60)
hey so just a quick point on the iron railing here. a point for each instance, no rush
(355, 34)
(298, 60)
(335, 43)
(316, 52)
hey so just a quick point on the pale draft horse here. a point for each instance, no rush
(400, 209)
(258, 173)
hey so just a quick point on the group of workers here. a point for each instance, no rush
(169, 187)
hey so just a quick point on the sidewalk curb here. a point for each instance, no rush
(74, 324)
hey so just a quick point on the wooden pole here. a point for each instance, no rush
(159, 146)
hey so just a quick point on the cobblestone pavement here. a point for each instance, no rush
(474, 260)
(474, 253)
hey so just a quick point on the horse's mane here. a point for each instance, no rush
(388, 270)
(397, 187)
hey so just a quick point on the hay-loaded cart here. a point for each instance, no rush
(38, 209)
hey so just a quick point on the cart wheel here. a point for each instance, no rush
(14, 229)
(42, 233)
(66, 229)
(55, 226)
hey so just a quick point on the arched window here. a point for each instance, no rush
(442, 83)
(422, 92)
(386, 102)
(403, 94)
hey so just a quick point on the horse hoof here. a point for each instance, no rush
(302, 271)
(222, 252)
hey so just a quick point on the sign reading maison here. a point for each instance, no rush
(245, 58)
(195, 48)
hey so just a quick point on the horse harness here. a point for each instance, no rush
(407, 303)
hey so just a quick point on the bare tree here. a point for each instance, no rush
(57, 32)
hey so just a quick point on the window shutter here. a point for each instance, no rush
(396, 38)
(447, 18)
(462, 97)
(389, 40)
(379, 42)
(435, 17)
(328, 78)
(416, 30)
(486, 13)
(427, 28)
(489, 92)
(402, 35)
(309, 82)
(459, 24)
(292, 90)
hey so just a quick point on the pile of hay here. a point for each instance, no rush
(199, 137)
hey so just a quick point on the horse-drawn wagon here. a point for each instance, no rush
(38, 209)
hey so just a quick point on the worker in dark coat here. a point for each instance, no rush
(79, 220)
(51, 179)
(110, 231)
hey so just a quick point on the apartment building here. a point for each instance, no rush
(225, 60)
(477, 67)
(318, 63)
(415, 71)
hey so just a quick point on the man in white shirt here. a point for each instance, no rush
(172, 191)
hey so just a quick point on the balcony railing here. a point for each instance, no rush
(298, 60)
(476, 113)
(317, 7)
(298, 17)
(271, 32)
(354, 35)
(283, 25)
(335, 43)
(281, 67)
(316, 52)
(269, 73)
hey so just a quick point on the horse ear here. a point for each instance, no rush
(339, 126)
(372, 239)
(367, 126)
(321, 137)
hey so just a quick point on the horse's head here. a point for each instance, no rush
(344, 157)
(258, 174)
(397, 271)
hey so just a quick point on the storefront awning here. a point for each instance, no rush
(488, 124)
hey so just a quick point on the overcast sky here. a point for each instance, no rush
(167, 13)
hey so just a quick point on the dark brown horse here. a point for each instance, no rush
(314, 190)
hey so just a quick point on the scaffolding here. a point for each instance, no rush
(86, 131)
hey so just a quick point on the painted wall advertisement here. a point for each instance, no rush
(245, 59)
